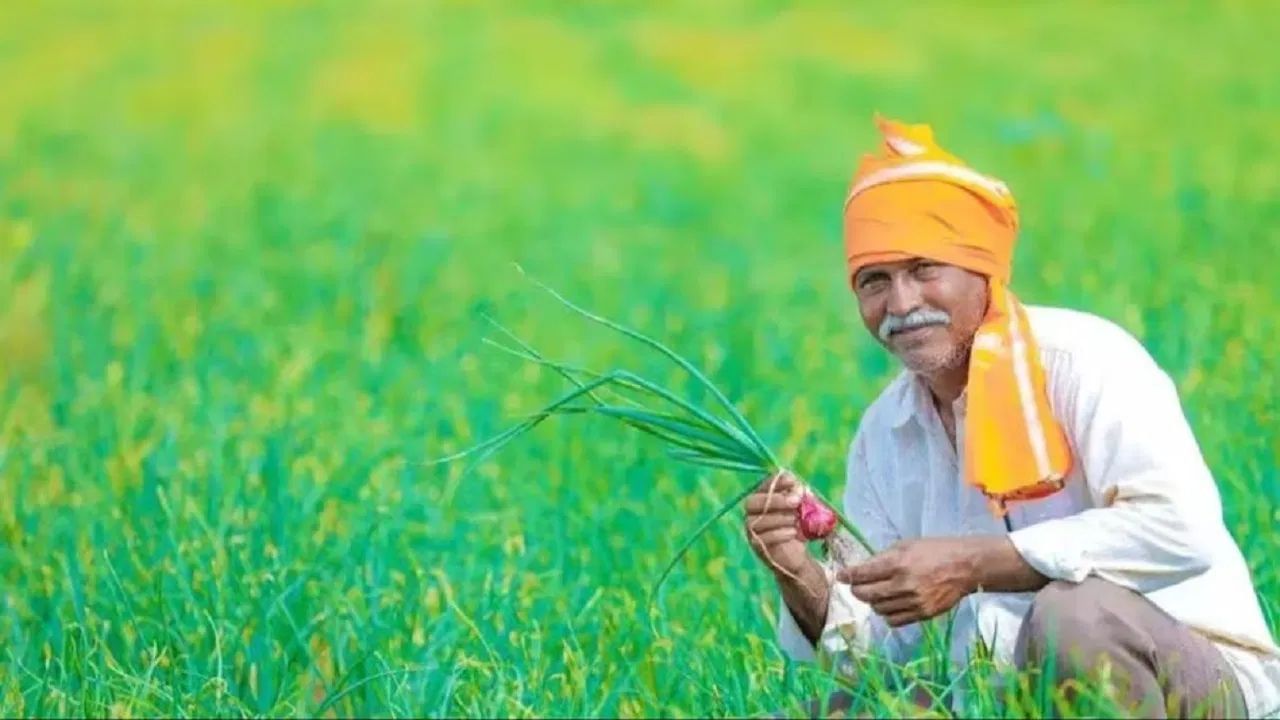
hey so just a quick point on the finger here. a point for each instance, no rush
(903, 618)
(895, 606)
(766, 502)
(877, 569)
(774, 537)
(877, 592)
(770, 521)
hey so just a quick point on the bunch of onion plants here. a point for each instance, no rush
(716, 437)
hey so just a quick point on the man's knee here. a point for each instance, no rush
(1068, 620)
(1062, 602)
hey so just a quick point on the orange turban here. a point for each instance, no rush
(916, 200)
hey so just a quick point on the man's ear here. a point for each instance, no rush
(986, 294)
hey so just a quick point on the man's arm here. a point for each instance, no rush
(771, 529)
(1157, 515)
(835, 623)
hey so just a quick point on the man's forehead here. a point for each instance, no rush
(891, 266)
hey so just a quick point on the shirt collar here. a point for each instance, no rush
(914, 400)
(911, 399)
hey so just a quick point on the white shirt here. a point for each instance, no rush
(1140, 507)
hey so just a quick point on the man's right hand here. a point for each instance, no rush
(772, 526)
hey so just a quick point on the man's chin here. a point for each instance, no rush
(922, 368)
(925, 363)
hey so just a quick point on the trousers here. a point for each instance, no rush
(1158, 666)
(1080, 634)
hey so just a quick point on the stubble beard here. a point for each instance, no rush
(928, 365)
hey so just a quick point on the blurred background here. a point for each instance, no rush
(243, 249)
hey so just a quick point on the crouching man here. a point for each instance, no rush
(1031, 468)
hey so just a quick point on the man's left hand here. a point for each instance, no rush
(915, 580)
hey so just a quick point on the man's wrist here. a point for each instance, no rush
(993, 563)
(976, 559)
(808, 594)
(811, 581)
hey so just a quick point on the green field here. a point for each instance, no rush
(244, 248)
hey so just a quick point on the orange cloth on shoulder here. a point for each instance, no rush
(914, 199)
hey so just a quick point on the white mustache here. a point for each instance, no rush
(912, 320)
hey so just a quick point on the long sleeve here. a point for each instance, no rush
(851, 625)
(1155, 505)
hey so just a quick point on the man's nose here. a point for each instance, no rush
(904, 296)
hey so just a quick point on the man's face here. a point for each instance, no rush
(922, 311)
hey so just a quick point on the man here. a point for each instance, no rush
(1031, 469)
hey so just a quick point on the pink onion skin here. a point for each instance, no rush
(816, 520)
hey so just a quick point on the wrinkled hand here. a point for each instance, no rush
(914, 580)
(771, 527)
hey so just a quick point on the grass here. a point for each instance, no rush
(246, 250)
